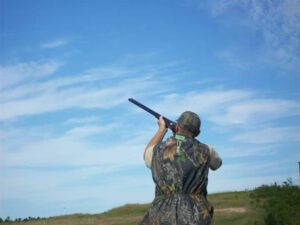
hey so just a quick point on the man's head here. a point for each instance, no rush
(189, 123)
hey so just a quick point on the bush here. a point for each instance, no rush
(7, 219)
(280, 202)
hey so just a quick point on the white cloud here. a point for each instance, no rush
(204, 102)
(229, 107)
(32, 88)
(87, 130)
(82, 120)
(259, 110)
(72, 147)
(93, 89)
(31, 181)
(238, 150)
(278, 22)
(71, 150)
(77, 97)
(67, 163)
(221, 183)
(250, 174)
(56, 43)
(230, 58)
(25, 150)
(257, 168)
(68, 189)
(269, 135)
(26, 72)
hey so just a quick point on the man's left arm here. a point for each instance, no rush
(215, 159)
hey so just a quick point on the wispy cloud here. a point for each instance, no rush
(230, 107)
(88, 130)
(258, 109)
(26, 72)
(98, 88)
(231, 59)
(276, 21)
(92, 89)
(269, 135)
(82, 120)
(263, 168)
(239, 150)
(221, 183)
(82, 147)
(55, 43)
(241, 175)
(72, 148)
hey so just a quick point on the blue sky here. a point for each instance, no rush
(71, 142)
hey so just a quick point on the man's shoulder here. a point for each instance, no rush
(202, 145)
(169, 142)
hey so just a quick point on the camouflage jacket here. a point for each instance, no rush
(180, 169)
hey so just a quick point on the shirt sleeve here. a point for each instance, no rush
(148, 156)
(215, 159)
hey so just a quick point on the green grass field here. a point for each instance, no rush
(231, 208)
(235, 208)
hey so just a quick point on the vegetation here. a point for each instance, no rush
(281, 203)
(266, 205)
(9, 220)
(235, 208)
(241, 213)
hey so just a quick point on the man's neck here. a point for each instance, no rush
(183, 135)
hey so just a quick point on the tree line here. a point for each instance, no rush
(9, 220)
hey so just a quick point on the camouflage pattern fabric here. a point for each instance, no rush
(180, 168)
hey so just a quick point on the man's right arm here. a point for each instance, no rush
(159, 135)
(148, 155)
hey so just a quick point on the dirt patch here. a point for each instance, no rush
(120, 220)
(232, 210)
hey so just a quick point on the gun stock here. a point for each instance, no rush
(169, 123)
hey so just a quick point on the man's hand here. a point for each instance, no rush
(159, 135)
(161, 124)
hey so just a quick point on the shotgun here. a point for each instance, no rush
(169, 123)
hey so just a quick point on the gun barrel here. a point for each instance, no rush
(169, 123)
(157, 115)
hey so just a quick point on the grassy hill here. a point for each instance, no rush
(231, 208)
(266, 205)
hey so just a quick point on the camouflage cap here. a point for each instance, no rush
(190, 122)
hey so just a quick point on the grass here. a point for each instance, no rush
(247, 213)
(234, 208)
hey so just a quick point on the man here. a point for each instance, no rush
(180, 168)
